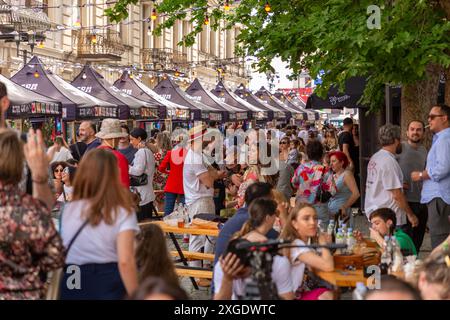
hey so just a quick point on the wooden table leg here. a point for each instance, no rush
(182, 257)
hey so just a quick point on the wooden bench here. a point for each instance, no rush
(194, 255)
(204, 274)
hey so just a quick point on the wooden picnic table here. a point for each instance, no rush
(185, 230)
(349, 278)
(343, 278)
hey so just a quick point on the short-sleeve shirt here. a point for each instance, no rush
(406, 244)
(347, 138)
(94, 244)
(193, 188)
(412, 159)
(383, 174)
(298, 268)
(281, 276)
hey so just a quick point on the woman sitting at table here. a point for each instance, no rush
(301, 229)
(230, 274)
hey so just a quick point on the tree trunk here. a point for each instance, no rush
(445, 4)
(447, 86)
(418, 98)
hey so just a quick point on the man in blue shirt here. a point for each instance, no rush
(436, 176)
(234, 224)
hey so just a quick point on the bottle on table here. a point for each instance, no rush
(340, 239)
(386, 256)
(397, 256)
(350, 241)
(360, 291)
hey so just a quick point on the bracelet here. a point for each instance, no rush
(40, 181)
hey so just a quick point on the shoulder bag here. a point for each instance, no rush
(142, 180)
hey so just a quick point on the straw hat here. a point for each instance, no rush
(111, 129)
(197, 132)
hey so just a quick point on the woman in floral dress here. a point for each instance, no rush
(163, 144)
(309, 176)
(30, 245)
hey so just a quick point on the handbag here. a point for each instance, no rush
(142, 180)
(56, 276)
(323, 196)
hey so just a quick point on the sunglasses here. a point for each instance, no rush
(284, 142)
(433, 116)
(58, 170)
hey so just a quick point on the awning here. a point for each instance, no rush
(25, 103)
(225, 95)
(92, 82)
(75, 103)
(199, 111)
(230, 113)
(133, 87)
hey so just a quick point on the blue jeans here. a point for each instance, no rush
(169, 202)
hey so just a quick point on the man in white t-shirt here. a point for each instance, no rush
(384, 186)
(304, 133)
(198, 183)
(59, 152)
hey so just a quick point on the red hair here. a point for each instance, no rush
(342, 157)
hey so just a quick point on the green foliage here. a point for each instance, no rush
(330, 35)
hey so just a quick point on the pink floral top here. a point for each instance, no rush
(307, 179)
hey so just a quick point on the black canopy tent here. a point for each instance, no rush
(295, 100)
(25, 103)
(92, 82)
(272, 112)
(229, 112)
(266, 96)
(225, 95)
(354, 88)
(301, 114)
(199, 111)
(75, 103)
(167, 109)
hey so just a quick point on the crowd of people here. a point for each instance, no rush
(102, 186)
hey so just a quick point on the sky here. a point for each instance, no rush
(282, 71)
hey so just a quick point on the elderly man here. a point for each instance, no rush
(436, 176)
(384, 186)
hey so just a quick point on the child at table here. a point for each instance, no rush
(153, 258)
(301, 227)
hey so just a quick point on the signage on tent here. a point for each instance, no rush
(31, 86)
(85, 89)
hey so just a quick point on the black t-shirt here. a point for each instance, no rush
(347, 138)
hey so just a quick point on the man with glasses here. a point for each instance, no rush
(436, 176)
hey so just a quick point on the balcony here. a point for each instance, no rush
(164, 59)
(21, 21)
(103, 45)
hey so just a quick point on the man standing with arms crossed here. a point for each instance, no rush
(436, 176)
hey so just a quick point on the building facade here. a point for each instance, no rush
(79, 36)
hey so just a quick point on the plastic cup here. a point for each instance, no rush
(180, 223)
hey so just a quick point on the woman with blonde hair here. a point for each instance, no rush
(100, 225)
(301, 229)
